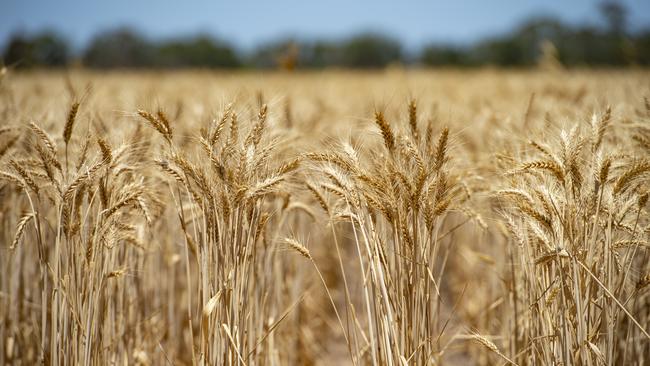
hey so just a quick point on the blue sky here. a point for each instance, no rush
(246, 23)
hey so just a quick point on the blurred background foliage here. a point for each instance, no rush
(546, 41)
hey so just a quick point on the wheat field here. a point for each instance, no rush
(397, 217)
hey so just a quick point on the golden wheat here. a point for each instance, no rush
(160, 225)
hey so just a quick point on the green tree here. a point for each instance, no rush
(370, 50)
(615, 15)
(119, 48)
(45, 49)
(201, 51)
(434, 55)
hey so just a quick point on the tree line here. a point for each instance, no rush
(546, 40)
